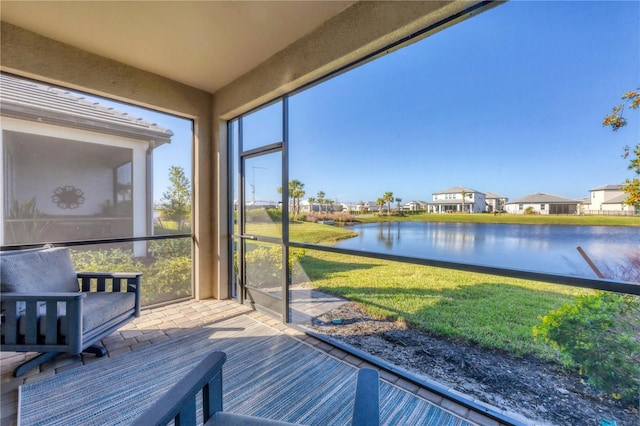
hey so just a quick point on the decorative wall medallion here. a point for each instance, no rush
(68, 197)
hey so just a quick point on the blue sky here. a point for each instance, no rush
(510, 101)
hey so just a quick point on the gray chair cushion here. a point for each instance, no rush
(97, 309)
(38, 271)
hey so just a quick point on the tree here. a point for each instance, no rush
(380, 202)
(311, 200)
(175, 204)
(617, 120)
(398, 201)
(388, 198)
(362, 207)
(321, 199)
(296, 192)
(464, 195)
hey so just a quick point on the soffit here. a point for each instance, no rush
(203, 44)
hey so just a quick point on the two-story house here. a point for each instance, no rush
(607, 199)
(458, 199)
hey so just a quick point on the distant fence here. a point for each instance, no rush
(608, 213)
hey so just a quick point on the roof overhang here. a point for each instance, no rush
(26, 100)
(202, 44)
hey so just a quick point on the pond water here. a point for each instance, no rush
(540, 248)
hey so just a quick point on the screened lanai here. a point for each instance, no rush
(238, 74)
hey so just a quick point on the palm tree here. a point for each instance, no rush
(464, 195)
(398, 200)
(321, 199)
(380, 202)
(296, 191)
(311, 200)
(388, 198)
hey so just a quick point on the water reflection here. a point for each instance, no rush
(540, 248)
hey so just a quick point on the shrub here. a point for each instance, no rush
(600, 334)
(164, 249)
(275, 215)
(167, 279)
(108, 260)
(264, 265)
(263, 215)
(338, 218)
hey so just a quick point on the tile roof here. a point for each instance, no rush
(457, 190)
(608, 188)
(494, 195)
(541, 197)
(618, 199)
(25, 99)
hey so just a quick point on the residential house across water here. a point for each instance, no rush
(541, 203)
(458, 199)
(608, 200)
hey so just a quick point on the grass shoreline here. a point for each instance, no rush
(505, 219)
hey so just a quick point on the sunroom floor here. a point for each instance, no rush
(159, 324)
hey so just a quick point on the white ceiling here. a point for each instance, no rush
(204, 44)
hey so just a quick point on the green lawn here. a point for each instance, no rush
(492, 311)
(307, 232)
(506, 218)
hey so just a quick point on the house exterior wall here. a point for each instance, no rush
(95, 182)
(542, 208)
(495, 204)
(521, 208)
(596, 199)
(33, 177)
(474, 202)
(600, 201)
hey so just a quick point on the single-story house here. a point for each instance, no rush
(541, 203)
(415, 205)
(458, 199)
